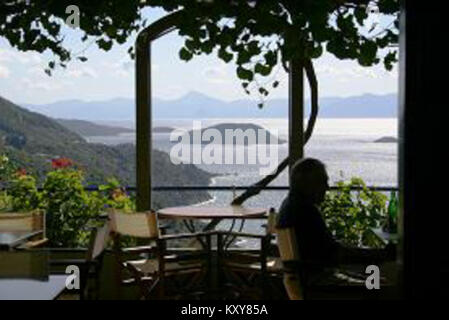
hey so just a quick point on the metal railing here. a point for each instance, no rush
(240, 188)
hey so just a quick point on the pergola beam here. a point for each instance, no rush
(296, 111)
(144, 105)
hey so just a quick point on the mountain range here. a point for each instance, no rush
(195, 105)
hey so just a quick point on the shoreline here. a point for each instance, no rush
(213, 198)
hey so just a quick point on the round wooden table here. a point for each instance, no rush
(189, 214)
(216, 214)
(231, 212)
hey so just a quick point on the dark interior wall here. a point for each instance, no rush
(423, 143)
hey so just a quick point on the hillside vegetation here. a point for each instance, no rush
(32, 140)
(90, 129)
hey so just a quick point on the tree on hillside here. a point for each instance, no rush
(256, 35)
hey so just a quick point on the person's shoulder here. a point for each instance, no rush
(286, 216)
(294, 205)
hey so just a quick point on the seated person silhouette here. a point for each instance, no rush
(318, 250)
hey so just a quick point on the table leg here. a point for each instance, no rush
(189, 225)
(212, 224)
(227, 242)
(232, 238)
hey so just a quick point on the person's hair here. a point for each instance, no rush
(303, 168)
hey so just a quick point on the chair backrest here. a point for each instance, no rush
(30, 221)
(288, 248)
(293, 287)
(98, 241)
(139, 225)
(271, 221)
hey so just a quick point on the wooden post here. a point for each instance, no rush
(296, 110)
(143, 104)
(143, 123)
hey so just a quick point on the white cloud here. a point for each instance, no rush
(168, 92)
(45, 84)
(154, 67)
(394, 73)
(122, 68)
(347, 72)
(122, 73)
(18, 56)
(215, 75)
(125, 67)
(82, 72)
(36, 71)
(4, 55)
(4, 72)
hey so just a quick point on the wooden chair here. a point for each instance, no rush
(32, 221)
(90, 266)
(289, 253)
(155, 265)
(252, 272)
(334, 283)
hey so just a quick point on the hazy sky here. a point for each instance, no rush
(111, 75)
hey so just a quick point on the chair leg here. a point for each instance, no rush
(161, 249)
(96, 294)
(98, 267)
(118, 264)
(161, 288)
(147, 290)
(195, 279)
(84, 274)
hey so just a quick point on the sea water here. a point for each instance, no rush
(346, 146)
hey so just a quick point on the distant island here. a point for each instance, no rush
(387, 139)
(90, 129)
(222, 127)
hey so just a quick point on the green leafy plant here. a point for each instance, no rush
(7, 169)
(23, 192)
(68, 206)
(350, 214)
(116, 197)
(5, 202)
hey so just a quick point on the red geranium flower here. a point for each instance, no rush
(61, 163)
(21, 172)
